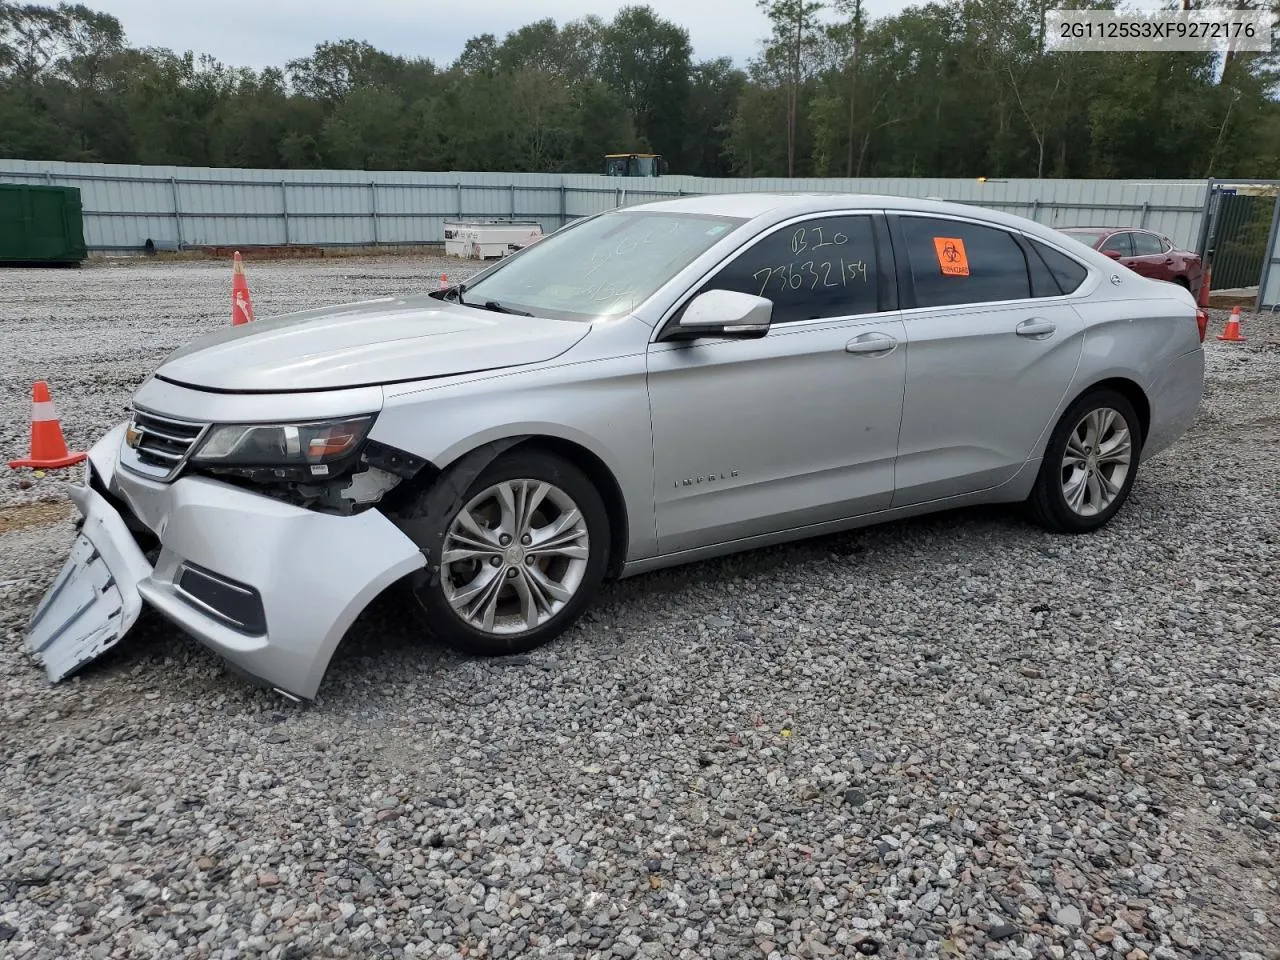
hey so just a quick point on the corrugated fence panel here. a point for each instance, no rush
(125, 205)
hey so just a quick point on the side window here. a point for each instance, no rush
(820, 268)
(1166, 245)
(1066, 271)
(1043, 282)
(1121, 243)
(1146, 245)
(954, 262)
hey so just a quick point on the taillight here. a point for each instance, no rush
(1202, 321)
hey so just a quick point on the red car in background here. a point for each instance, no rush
(1142, 251)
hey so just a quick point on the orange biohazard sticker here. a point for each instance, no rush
(951, 256)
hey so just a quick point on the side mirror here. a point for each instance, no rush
(1113, 254)
(726, 313)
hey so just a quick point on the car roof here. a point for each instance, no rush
(745, 205)
(754, 204)
(1081, 229)
(781, 206)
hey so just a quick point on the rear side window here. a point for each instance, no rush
(1043, 282)
(1146, 245)
(1067, 272)
(821, 268)
(954, 262)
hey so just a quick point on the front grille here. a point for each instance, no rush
(163, 443)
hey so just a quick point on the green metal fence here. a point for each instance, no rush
(41, 224)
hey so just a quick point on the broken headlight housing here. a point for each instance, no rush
(312, 450)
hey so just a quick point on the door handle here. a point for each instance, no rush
(874, 344)
(1168, 261)
(1035, 328)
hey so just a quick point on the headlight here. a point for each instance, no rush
(313, 446)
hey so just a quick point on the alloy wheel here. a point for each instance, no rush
(514, 556)
(1096, 461)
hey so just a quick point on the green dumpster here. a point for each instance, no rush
(41, 224)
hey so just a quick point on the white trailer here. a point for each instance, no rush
(488, 239)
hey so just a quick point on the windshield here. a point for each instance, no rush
(602, 267)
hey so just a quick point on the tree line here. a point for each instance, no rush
(942, 89)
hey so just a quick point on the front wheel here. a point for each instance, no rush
(1089, 465)
(520, 559)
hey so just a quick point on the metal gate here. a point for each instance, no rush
(1236, 230)
(1269, 283)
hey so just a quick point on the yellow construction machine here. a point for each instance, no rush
(634, 165)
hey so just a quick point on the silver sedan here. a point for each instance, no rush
(643, 388)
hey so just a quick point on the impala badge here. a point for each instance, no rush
(705, 478)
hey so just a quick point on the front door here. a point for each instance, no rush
(798, 427)
(988, 362)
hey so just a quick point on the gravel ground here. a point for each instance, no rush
(956, 736)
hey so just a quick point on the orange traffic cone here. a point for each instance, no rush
(1231, 332)
(1206, 283)
(48, 449)
(241, 305)
(444, 282)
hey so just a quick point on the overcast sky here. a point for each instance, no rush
(261, 33)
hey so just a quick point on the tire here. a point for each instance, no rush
(1049, 503)
(512, 609)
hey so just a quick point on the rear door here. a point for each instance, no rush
(992, 345)
(1149, 258)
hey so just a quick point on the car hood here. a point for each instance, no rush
(367, 343)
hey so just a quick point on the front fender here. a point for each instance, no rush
(601, 406)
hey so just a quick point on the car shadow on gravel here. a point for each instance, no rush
(799, 554)
(386, 640)
(386, 643)
(386, 630)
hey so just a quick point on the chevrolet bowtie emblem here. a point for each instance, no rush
(132, 436)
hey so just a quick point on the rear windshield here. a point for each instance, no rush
(1090, 237)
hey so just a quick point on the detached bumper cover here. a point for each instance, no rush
(94, 600)
(311, 575)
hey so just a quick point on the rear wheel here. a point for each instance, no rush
(520, 559)
(1089, 465)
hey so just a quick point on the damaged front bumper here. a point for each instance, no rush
(94, 600)
(270, 587)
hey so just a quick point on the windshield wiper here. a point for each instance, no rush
(496, 307)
